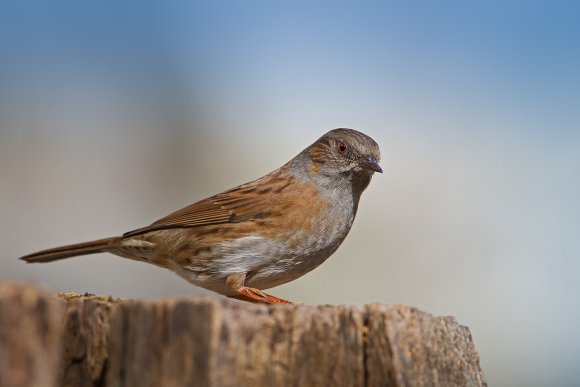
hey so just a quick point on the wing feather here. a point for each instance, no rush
(239, 204)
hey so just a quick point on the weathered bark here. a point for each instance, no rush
(30, 332)
(408, 347)
(206, 341)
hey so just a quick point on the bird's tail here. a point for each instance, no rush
(54, 254)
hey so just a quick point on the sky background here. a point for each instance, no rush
(115, 113)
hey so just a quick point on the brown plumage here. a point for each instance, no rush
(260, 234)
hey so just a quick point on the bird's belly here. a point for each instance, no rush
(288, 268)
(271, 260)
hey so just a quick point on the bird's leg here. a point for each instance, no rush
(236, 283)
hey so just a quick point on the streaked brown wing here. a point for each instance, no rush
(207, 211)
(246, 202)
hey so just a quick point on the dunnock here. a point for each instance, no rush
(260, 234)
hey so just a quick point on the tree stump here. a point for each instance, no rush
(73, 340)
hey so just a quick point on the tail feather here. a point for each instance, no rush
(54, 254)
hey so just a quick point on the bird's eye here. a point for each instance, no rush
(341, 148)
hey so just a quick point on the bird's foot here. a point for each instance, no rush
(257, 296)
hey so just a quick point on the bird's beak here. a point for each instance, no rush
(372, 164)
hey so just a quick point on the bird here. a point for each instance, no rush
(260, 234)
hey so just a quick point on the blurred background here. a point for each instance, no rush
(115, 113)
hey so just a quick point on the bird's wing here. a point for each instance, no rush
(246, 202)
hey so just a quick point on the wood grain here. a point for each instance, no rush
(31, 324)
